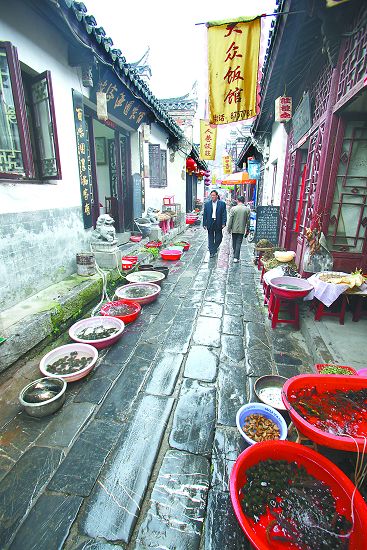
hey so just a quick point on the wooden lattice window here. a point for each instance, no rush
(354, 64)
(28, 135)
(348, 217)
(320, 91)
(157, 166)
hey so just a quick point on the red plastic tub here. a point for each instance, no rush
(133, 307)
(132, 259)
(170, 254)
(316, 465)
(350, 370)
(153, 244)
(323, 383)
(136, 238)
(300, 290)
(126, 264)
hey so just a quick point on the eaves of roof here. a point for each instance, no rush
(245, 148)
(94, 36)
(196, 156)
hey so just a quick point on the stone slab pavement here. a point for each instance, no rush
(140, 454)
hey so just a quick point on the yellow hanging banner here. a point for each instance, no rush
(227, 164)
(208, 140)
(233, 58)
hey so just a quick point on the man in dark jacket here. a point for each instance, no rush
(238, 225)
(214, 220)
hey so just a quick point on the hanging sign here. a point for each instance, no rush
(253, 169)
(302, 119)
(233, 57)
(283, 109)
(208, 140)
(227, 164)
(121, 103)
(82, 147)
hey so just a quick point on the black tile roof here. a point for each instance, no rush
(87, 28)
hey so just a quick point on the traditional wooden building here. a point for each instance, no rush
(315, 166)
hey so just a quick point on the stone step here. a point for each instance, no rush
(177, 504)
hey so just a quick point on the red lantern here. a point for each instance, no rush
(190, 165)
(201, 174)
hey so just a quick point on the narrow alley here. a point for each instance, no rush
(140, 454)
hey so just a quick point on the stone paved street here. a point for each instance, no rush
(140, 454)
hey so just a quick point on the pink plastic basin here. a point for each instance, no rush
(92, 322)
(291, 288)
(316, 465)
(125, 293)
(170, 254)
(82, 349)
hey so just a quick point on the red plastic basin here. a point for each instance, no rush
(126, 264)
(316, 465)
(136, 238)
(132, 259)
(170, 254)
(303, 287)
(323, 383)
(153, 244)
(350, 370)
(134, 310)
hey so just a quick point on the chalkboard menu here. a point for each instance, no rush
(267, 223)
(137, 196)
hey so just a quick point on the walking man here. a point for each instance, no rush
(214, 220)
(238, 225)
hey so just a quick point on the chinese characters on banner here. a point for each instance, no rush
(227, 164)
(120, 101)
(283, 109)
(82, 147)
(233, 57)
(208, 140)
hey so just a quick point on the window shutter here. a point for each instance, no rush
(45, 126)
(154, 165)
(163, 168)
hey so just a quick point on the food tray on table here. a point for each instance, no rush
(322, 407)
(267, 533)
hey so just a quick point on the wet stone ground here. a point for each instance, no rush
(141, 453)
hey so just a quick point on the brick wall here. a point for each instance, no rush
(37, 249)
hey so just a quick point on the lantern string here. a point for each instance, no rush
(262, 15)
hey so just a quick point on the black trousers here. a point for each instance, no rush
(236, 244)
(214, 238)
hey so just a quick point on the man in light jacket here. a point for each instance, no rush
(238, 225)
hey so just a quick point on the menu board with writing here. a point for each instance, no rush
(82, 147)
(267, 223)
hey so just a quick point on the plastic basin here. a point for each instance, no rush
(291, 288)
(125, 292)
(83, 349)
(190, 221)
(171, 254)
(146, 276)
(134, 310)
(126, 264)
(132, 259)
(350, 370)
(92, 322)
(316, 465)
(264, 410)
(323, 383)
(136, 238)
(153, 244)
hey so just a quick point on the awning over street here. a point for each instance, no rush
(238, 178)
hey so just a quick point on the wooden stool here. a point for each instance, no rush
(274, 305)
(266, 290)
(324, 311)
(262, 274)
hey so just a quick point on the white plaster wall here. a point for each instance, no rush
(175, 184)
(41, 47)
(277, 151)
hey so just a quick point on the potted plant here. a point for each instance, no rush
(154, 255)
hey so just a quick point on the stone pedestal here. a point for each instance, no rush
(155, 233)
(107, 255)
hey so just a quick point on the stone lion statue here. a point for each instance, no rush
(104, 231)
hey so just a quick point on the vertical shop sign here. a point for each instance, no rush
(233, 57)
(82, 147)
(227, 164)
(208, 140)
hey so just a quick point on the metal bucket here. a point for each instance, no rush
(85, 264)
